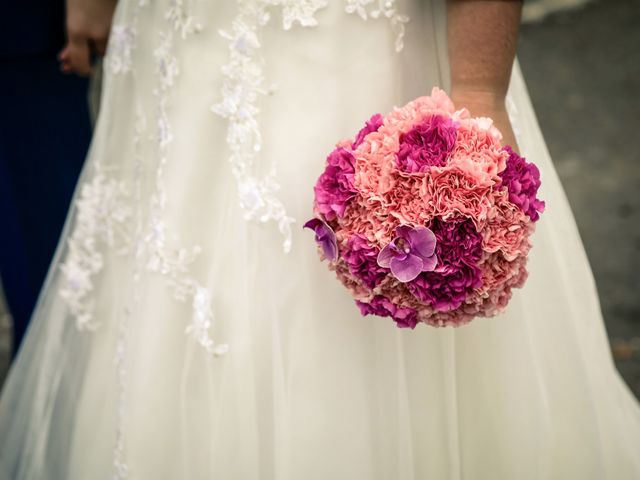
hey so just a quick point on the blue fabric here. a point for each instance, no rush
(31, 27)
(44, 135)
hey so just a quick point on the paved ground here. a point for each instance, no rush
(583, 71)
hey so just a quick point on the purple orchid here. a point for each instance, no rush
(325, 237)
(411, 252)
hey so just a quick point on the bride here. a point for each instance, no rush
(187, 329)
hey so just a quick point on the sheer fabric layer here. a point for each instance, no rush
(308, 388)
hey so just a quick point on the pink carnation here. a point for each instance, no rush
(478, 152)
(507, 229)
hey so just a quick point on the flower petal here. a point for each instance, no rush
(429, 264)
(312, 224)
(329, 246)
(407, 269)
(423, 241)
(403, 231)
(409, 321)
(386, 255)
(325, 237)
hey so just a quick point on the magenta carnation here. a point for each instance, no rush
(372, 125)
(382, 307)
(459, 249)
(361, 260)
(334, 188)
(426, 217)
(426, 145)
(522, 180)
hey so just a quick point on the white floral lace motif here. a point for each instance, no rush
(163, 256)
(120, 465)
(102, 203)
(121, 44)
(381, 9)
(241, 90)
(101, 220)
(181, 20)
(300, 11)
(243, 86)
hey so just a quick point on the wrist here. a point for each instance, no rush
(479, 97)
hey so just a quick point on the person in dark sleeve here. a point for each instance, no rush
(45, 131)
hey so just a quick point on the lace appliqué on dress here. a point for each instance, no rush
(101, 220)
(299, 11)
(243, 86)
(241, 90)
(122, 41)
(181, 20)
(381, 9)
(102, 212)
(119, 461)
(163, 256)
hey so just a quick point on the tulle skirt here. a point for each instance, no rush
(118, 375)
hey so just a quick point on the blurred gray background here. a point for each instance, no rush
(581, 62)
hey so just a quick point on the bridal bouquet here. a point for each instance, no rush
(425, 216)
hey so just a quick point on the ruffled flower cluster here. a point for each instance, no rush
(426, 217)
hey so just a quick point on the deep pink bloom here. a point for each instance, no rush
(412, 251)
(404, 317)
(459, 249)
(334, 188)
(325, 237)
(372, 125)
(361, 259)
(427, 144)
(522, 180)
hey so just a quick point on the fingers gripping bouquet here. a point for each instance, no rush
(426, 217)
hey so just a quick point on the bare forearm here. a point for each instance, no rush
(482, 37)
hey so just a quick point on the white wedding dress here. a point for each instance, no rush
(176, 339)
